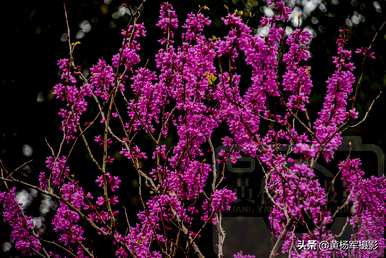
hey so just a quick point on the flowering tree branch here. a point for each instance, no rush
(162, 120)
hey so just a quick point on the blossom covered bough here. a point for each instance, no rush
(179, 108)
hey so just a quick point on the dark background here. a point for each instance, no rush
(32, 40)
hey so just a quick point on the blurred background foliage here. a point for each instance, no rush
(33, 37)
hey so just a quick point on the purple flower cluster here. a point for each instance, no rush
(368, 196)
(222, 200)
(57, 168)
(74, 97)
(144, 110)
(102, 79)
(334, 112)
(66, 221)
(181, 80)
(297, 78)
(128, 55)
(154, 223)
(22, 229)
(167, 22)
(299, 193)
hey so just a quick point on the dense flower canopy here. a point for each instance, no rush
(179, 105)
